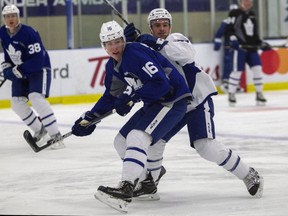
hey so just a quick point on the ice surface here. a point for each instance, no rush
(55, 182)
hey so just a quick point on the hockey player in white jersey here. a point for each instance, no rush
(27, 65)
(199, 117)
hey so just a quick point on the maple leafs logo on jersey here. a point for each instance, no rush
(15, 56)
(249, 27)
(135, 83)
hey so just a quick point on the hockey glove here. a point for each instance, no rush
(265, 46)
(217, 44)
(124, 103)
(234, 42)
(151, 41)
(6, 68)
(12, 73)
(80, 126)
(131, 33)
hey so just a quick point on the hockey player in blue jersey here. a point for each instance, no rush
(242, 33)
(135, 72)
(27, 65)
(227, 54)
(200, 112)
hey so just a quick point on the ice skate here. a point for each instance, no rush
(41, 137)
(146, 190)
(162, 172)
(59, 144)
(117, 198)
(224, 86)
(232, 99)
(254, 183)
(260, 99)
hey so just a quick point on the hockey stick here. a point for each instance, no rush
(120, 16)
(2, 82)
(257, 47)
(116, 12)
(29, 138)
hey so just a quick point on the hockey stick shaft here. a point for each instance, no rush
(256, 47)
(2, 82)
(137, 32)
(53, 141)
(116, 12)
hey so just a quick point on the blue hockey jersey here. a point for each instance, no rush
(24, 49)
(152, 77)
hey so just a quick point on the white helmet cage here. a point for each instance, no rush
(111, 31)
(159, 13)
(10, 9)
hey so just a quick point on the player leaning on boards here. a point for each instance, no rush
(199, 117)
(27, 65)
(242, 33)
(135, 72)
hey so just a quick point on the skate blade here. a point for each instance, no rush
(259, 193)
(57, 146)
(232, 104)
(260, 103)
(117, 204)
(148, 197)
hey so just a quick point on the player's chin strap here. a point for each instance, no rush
(50, 142)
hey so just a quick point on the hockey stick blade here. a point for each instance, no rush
(30, 140)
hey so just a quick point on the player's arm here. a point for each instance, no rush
(219, 34)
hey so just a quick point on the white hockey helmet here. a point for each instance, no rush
(10, 9)
(233, 7)
(111, 31)
(159, 13)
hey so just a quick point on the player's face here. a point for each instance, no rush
(160, 28)
(115, 48)
(11, 20)
(246, 4)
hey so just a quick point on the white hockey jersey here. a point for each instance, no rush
(180, 51)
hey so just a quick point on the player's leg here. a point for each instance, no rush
(138, 141)
(235, 76)
(227, 68)
(256, 68)
(19, 104)
(39, 89)
(147, 187)
(202, 137)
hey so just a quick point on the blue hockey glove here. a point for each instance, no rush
(265, 46)
(124, 103)
(217, 44)
(151, 41)
(80, 126)
(6, 67)
(131, 33)
(234, 42)
(11, 73)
